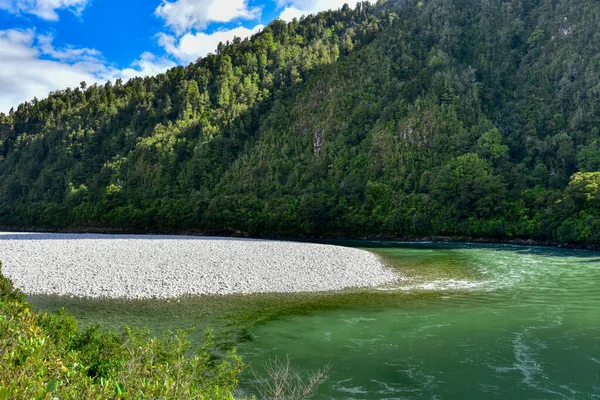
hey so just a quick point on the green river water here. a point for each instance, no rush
(470, 322)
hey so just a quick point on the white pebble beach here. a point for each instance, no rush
(145, 266)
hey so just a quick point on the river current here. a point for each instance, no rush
(471, 321)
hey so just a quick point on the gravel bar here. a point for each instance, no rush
(143, 266)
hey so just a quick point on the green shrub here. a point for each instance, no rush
(46, 356)
(8, 292)
(101, 352)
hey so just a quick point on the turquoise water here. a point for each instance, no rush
(470, 322)
(479, 322)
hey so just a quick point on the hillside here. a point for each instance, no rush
(439, 117)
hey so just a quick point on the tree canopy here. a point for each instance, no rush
(405, 118)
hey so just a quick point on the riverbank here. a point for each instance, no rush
(162, 266)
(247, 235)
(469, 239)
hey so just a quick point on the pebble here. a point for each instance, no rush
(160, 266)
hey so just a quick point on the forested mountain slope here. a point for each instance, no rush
(445, 117)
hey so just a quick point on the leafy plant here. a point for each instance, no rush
(47, 356)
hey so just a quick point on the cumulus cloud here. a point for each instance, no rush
(45, 9)
(297, 8)
(184, 15)
(289, 13)
(147, 65)
(33, 67)
(191, 46)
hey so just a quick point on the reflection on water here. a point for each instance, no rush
(469, 322)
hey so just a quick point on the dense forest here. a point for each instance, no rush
(405, 118)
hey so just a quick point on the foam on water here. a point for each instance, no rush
(340, 387)
(354, 321)
(443, 285)
(387, 388)
(476, 322)
(525, 361)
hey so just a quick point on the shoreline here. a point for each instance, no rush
(169, 266)
(313, 238)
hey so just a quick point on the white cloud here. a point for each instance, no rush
(27, 73)
(297, 8)
(45, 9)
(147, 65)
(67, 54)
(191, 46)
(183, 15)
(289, 13)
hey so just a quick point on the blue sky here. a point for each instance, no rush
(48, 45)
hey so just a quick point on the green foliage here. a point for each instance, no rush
(490, 145)
(468, 186)
(589, 157)
(46, 356)
(101, 352)
(584, 187)
(375, 120)
(8, 292)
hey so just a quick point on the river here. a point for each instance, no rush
(472, 321)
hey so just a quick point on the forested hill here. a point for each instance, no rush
(439, 117)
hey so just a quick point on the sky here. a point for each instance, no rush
(48, 45)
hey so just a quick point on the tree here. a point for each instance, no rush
(468, 186)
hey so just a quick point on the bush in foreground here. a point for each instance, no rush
(47, 356)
